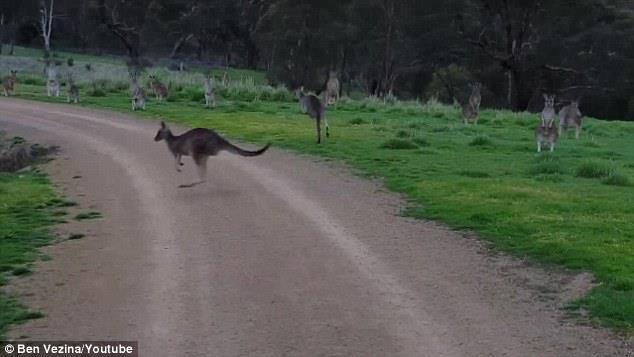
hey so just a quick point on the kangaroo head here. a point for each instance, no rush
(299, 92)
(163, 133)
(14, 72)
(549, 100)
(476, 87)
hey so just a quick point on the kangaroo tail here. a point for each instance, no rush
(236, 150)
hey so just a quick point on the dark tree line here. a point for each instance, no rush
(410, 48)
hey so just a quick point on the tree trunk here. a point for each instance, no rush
(1, 31)
(252, 55)
(388, 57)
(179, 44)
(521, 92)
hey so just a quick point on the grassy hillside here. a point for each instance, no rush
(572, 208)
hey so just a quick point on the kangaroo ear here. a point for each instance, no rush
(545, 96)
(163, 124)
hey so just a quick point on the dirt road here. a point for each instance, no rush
(275, 256)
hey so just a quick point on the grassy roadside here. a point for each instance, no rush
(571, 208)
(28, 207)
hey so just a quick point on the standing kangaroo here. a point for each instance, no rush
(52, 83)
(199, 144)
(548, 113)
(570, 117)
(312, 106)
(8, 84)
(137, 93)
(471, 110)
(332, 89)
(210, 92)
(159, 89)
(546, 132)
(73, 90)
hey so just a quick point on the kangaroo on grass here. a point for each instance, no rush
(471, 110)
(159, 89)
(312, 106)
(570, 117)
(8, 84)
(52, 83)
(137, 93)
(332, 89)
(546, 131)
(199, 144)
(73, 90)
(210, 92)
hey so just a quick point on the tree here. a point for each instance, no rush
(46, 24)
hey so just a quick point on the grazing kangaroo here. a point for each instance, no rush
(73, 90)
(570, 117)
(8, 84)
(159, 89)
(312, 106)
(199, 144)
(332, 89)
(471, 110)
(210, 92)
(52, 83)
(546, 132)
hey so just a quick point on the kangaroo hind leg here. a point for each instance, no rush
(201, 166)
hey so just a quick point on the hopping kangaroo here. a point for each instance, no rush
(471, 110)
(199, 144)
(52, 83)
(332, 89)
(8, 84)
(73, 90)
(546, 131)
(210, 92)
(312, 106)
(159, 89)
(570, 117)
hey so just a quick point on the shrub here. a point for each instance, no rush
(422, 142)
(402, 134)
(96, 92)
(616, 178)
(398, 144)
(546, 165)
(474, 174)
(593, 169)
(547, 168)
(70, 62)
(356, 121)
(195, 95)
(481, 140)
(33, 81)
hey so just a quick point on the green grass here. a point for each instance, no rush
(553, 208)
(28, 207)
(594, 169)
(87, 215)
